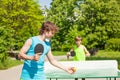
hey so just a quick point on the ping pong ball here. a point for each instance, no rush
(74, 69)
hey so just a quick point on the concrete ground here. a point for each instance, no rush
(14, 73)
(11, 74)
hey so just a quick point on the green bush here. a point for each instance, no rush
(113, 44)
(6, 42)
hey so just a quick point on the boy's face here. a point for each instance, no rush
(49, 34)
(78, 42)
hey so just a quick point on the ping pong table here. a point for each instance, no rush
(85, 69)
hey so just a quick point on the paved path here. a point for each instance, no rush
(14, 72)
(11, 74)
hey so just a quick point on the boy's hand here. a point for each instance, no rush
(87, 55)
(74, 69)
(68, 54)
(71, 70)
(36, 57)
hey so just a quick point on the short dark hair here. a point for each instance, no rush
(78, 38)
(48, 26)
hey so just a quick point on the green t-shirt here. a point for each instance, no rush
(80, 53)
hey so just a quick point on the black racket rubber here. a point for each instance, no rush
(72, 53)
(39, 48)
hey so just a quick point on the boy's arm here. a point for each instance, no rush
(86, 51)
(54, 62)
(24, 49)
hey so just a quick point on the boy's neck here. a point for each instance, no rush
(42, 37)
(79, 45)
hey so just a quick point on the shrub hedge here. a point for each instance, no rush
(113, 44)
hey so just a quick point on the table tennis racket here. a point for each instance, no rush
(39, 49)
(72, 53)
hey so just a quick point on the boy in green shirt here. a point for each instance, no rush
(80, 50)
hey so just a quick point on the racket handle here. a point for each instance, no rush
(36, 57)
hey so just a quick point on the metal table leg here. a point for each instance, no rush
(76, 78)
(83, 78)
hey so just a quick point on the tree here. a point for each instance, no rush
(62, 14)
(6, 42)
(96, 21)
(23, 16)
(100, 19)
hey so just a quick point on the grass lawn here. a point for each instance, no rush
(10, 63)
